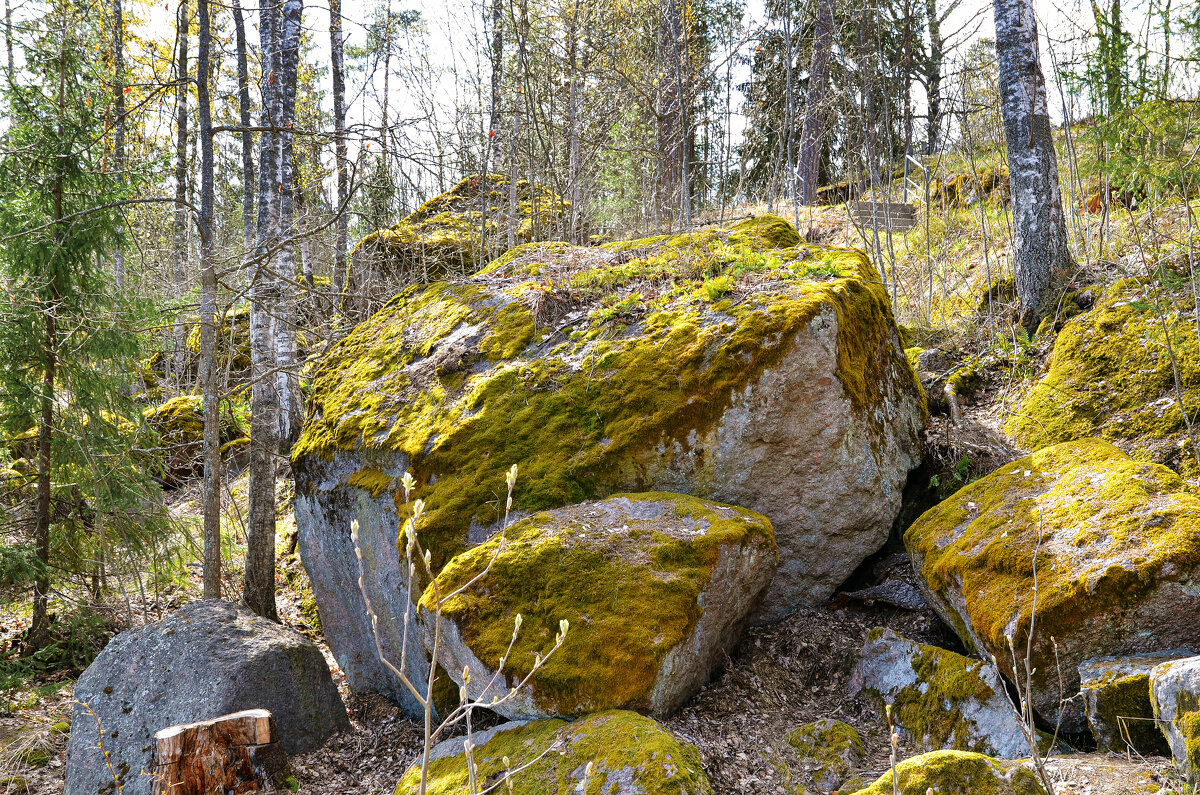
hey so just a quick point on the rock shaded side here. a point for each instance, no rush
(1109, 376)
(957, 773)
(629, 755)
(656, 587)
(833, 749)
(731, 364)
(1175, 692)
(207, 659)
(939, 699)
(1117, 563)
(1116, 700)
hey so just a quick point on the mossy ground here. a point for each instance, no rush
(1111, 529)
(630, 594)
(835, 748)
(1110, 376)
(465, 379)
(957, 773)
(628, 752)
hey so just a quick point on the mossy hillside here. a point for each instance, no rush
(465, 379)
(628, 753)
(957, 773)
(833, 747)
(936, 711)
(1113, 530)
(1109, 375)
(630, 594)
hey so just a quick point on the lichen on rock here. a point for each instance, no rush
(1116, 700)
(656, 588)
(939, 699)
(957, 773)
(832, 749)
(1118, 548)
(628, 754)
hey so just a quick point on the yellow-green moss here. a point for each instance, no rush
(1112, 530)
(373, 481)
(957, 773)
(233, 338)
(834, 748)
(179, 420)
(578, 417)
(629, 592)
(626, 750)
(1118, 695)
(1109, 375)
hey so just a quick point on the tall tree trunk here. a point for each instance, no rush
(1041, 249)
(789, 111)
(208, 318)
(933, 77)
(181, 173)
(8, 39)
(118, 55)
(337, 60)
(812, 134)
(573, 114)
(243, 78)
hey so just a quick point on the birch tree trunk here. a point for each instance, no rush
(337, 65)
(208, 317)
(181, 173)
(118, 56)
(1041, 251)
(812, 134)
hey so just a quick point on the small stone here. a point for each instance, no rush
(833, 751)
(1116, 699)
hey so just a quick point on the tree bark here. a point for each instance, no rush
(812, 134)
(337, 59)
(243, 78)
(1041, 249)
(181, 173)
(118, 55)
(208, 318)
(933, 77)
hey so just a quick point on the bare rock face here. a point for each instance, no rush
(656, 589)
(207, 659)
(1116, 700)
(940, 700)
(1175, 692)
(1116, 546)
(737, 365)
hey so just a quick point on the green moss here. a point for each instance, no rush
(628, 753)
(33, 757)
(957, 773)
(233, 338)
(1112, 529)
(179, 420)
(1109, 376)
(1120, 703)
(835, 748)
(62, 727)
(373, 481)
(667, 365)
(630, 594)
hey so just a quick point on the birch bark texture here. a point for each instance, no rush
(1041, 250)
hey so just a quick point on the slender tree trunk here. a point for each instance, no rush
(339, 127)
(181, 173)
(243, 77)
(208, 318)
(812, 134)
(573, 113)
(670, 110)
(118, 55)
(933, 77)
(8, 39)
(1040, 251)
(789, 111)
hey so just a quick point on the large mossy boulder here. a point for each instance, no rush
(628, 754)
(939, 699)
(1110, 375)
(957, 773)
(1117, 564)
(656, 588)
(205, 660)
(452, 235)
(1116, 700)
(178, 424)
(1175, 693)
(734, 364)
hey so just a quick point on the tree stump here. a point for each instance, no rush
(232, 754)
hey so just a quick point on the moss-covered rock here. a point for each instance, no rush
(733, 364)
(656, 588)
(1116, 565)
(233, 342)
(832, 749)
(628, 754)
(939, 699)
(179, 426)
(957, 773)
(1175, 694)
(1109, 375)
(1116, 700)
(451, 235)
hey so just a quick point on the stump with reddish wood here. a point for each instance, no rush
(233, 754)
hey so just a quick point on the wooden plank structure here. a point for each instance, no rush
(233, 754)
(887, 216)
